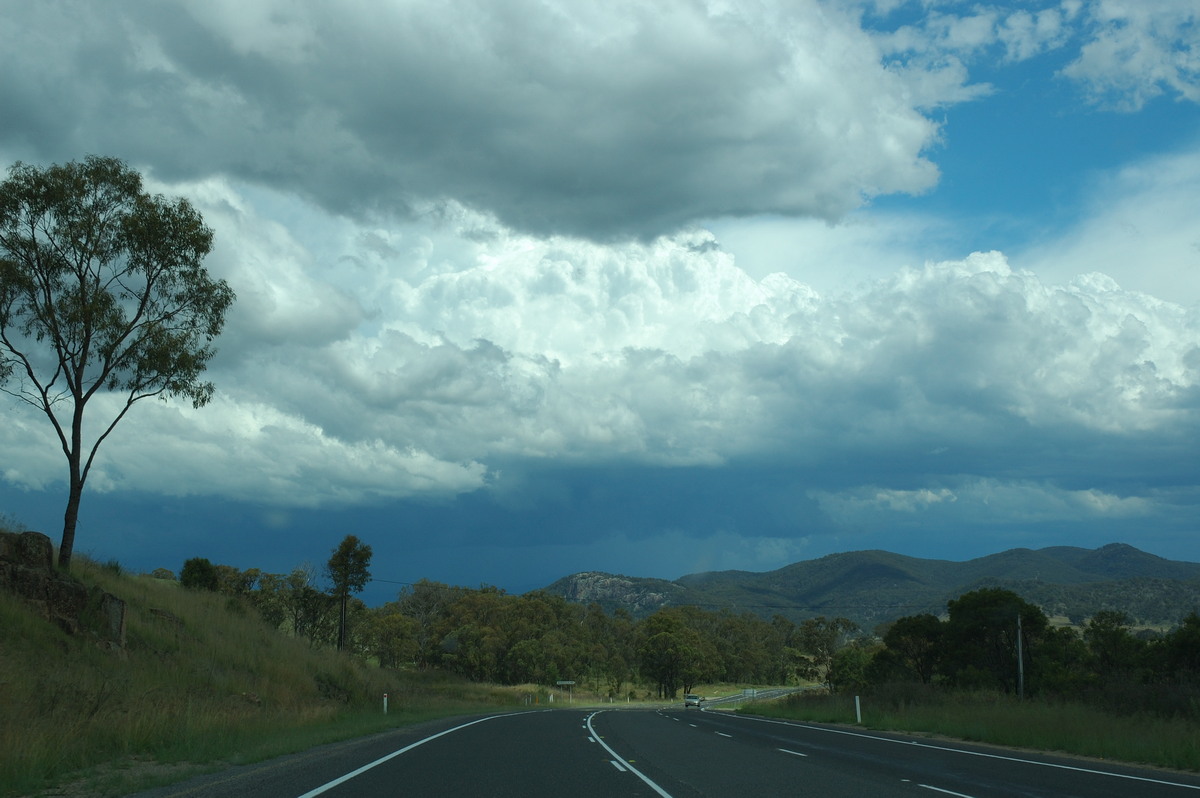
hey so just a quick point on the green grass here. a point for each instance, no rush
(201, 681)
(1004, 720)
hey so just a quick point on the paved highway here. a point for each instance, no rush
(672, 753)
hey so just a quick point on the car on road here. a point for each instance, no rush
(691, 700)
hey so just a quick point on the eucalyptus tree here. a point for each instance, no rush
(348, 569)
(102, 288)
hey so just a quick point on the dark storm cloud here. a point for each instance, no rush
(605, 122)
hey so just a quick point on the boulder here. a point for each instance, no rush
(27, 570)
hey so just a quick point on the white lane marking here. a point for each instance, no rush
(945, 792)
(793, 753)
(970, 753)
(617, 765)
(394, 754)
(628, 766)
(723, 734)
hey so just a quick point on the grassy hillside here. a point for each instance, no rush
(201, 680)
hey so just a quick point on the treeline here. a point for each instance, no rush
(539, 638)
(990, 639)
(994, 640)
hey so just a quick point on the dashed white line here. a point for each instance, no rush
(793, 753)
(966, 752)
(723, 734)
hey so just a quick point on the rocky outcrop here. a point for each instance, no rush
(27, 570)
(640, 596)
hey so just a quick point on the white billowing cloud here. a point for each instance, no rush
(1137, 50)
(33, 456)
(1003, 501)
(379, 362)
(258, 453)
(1026, 34)
(1137, 227)
(1083, 353)
(566, 299)
(669, 353)
(284, 293)
(965, 33)
(1123, 52)
(832, 259)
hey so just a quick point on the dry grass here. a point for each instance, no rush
(202, 680)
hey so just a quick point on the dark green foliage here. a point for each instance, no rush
(489, 635)
(199, 574)
(1181, 649)
(673, 654)
(1106, 666)
(347, 569)
(848, 671)
(348, 566)
(917, 644)
(981, 638)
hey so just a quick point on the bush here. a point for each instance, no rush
(199, 573)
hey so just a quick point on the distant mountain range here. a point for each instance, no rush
(873, 587)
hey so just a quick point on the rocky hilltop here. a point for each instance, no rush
(636, 595)
(873, 587)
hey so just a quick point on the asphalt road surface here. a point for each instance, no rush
(677, 753)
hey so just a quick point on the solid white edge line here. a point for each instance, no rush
(971, 753)
(946, 792)
(620, 759)
(394, 754)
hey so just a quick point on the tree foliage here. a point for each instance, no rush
(1104, 663)
(348, 571)
(102, 288)
(199, 573)
(349, 566)
(539, 638)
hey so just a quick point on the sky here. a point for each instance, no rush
(533, 287)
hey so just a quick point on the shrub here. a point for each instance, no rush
(199, 573)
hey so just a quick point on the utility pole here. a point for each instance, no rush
(1020, 661)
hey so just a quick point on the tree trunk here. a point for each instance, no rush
(71, 516)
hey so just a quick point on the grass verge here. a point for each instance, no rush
(1004, 720)
(202, 681)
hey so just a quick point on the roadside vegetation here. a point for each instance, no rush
(201, 680)
(998, 719)
(996, 671)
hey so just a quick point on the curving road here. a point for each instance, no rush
(677, 753)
